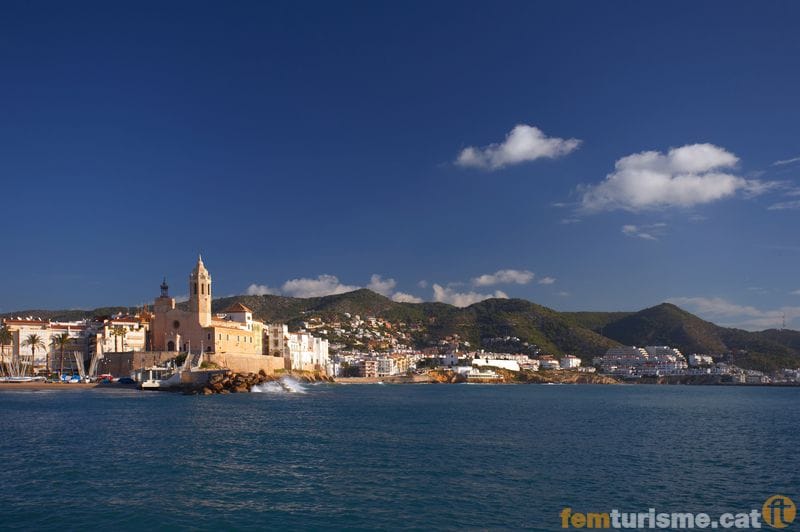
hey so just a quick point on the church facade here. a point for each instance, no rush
(196, 330)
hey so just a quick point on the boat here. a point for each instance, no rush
(22, 379)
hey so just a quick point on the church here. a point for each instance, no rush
(197, 330)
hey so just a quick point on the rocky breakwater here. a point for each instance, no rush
(231, 382)
(525, 377)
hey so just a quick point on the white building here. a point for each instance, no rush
(44, 355)
(700, 360)
(449, 359)
(626, 353)
(549, 364)
(476, 374)
(570, 362)
(656, 351)
(511, 365)
(636, 361)
(304, 351)
(307, 352)
(120, 333)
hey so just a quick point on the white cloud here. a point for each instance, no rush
(380, 285)
(462, 299)
(523, 143)
(795, 293)
(686, 176)
(726, 313)
(324, 285)
(504, 277)
(784, 205)
(786, 161)
(423, 284)
(402, 297)
(261, 290)
(646, 232)
(546, 280)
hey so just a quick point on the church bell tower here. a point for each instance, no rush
(200, 293)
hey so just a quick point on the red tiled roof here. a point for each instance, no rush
(237, 307)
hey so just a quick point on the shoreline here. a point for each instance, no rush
(420, 379)
(39, 386)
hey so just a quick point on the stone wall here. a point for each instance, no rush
(247, 363)
(125, 363)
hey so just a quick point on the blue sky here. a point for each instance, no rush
(583, 155)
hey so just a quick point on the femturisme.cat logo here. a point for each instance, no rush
(778, 511)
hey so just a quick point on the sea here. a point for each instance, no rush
(331, 456)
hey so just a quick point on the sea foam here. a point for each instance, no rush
(284, 385)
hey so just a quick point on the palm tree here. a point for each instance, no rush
(34, 341)
(5, 339)
(118, 331)
(60, 342)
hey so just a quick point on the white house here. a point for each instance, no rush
(511, 365)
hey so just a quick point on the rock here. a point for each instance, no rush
(217, 387)
(207, 391)
(262, 373)
(240, 389)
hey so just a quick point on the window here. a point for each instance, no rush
(203, 289)
(209, 336)
(195, 288)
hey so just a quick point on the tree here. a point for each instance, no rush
(118, 331)
(60, 342)
(34, 341)
(5, 339)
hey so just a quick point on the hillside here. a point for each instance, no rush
(487, 323)
(488, 319)
(667, 324)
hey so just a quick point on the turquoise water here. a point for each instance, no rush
(372, 456)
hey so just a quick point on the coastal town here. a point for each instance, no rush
(154, 342)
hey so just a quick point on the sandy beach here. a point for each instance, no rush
(35, 386)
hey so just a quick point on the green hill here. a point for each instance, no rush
(667, 324)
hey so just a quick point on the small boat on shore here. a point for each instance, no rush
(22, 379)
